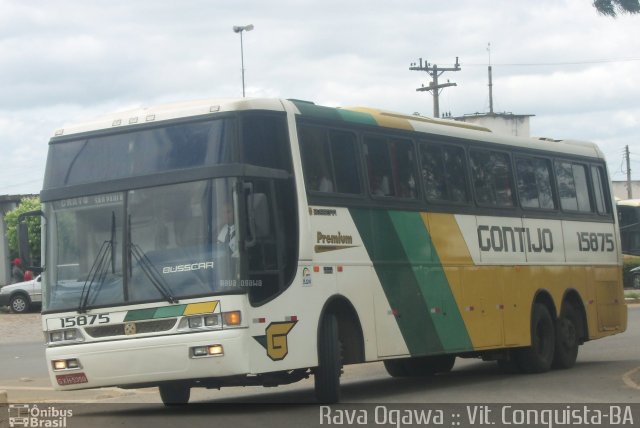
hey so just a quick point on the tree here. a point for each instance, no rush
(615, 7)
(11, 220)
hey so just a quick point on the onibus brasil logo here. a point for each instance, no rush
(31, 415)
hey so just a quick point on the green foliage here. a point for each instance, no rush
(11, 220)
(614, 7)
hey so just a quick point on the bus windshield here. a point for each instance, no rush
(159, 243)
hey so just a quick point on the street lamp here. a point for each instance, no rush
(241, 29)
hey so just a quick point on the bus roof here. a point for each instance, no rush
(359, 115)
(629, 202)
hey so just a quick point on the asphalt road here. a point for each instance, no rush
(607, 371)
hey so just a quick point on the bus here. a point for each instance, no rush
(264, 241)
(629, 220)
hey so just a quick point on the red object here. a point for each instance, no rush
(16, 262)
(71, 379)
(28, 275)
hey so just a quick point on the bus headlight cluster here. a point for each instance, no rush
(58, 337)
(211, 321)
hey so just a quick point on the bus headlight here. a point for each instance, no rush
(211, 321)
(59, 337)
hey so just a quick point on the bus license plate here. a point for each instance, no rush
(71, 379)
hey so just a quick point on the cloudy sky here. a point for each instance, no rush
(62, 62)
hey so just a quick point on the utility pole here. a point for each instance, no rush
(434, 87)
(490, 81)
(627, 158)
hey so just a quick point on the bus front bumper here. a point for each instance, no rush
(149, 360)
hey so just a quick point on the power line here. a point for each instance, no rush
(551, 64)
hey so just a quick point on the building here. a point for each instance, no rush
(619, 189)
(500, 123)
(7, 203)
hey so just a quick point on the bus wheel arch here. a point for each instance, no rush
(349, 328)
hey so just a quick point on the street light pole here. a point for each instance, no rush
(241, 29)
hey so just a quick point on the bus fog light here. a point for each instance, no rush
(199, 351)
(59, 364)
(73, 364)
(215, 350)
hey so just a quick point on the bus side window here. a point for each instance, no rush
(573, 187)
(443, 173)
(345, 165)
(598, 181)
(378, 166)
(491, 174)
(534, 183)
(316, 159)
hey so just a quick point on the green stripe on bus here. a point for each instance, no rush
(140, 314)
(432, 280)
(398, 280)
(357, 117)
(169, 311)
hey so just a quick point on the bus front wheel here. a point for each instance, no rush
(175, 394)
(327, 374)
(538, 357)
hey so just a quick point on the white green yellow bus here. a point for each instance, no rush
(262, 241)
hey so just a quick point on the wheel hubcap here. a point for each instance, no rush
(19, 305)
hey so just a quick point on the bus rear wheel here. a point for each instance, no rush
(567, 339)
(538, 357)
(327, 374)
(175, 394)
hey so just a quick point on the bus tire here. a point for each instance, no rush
(538, 357)
(327, 374)
(396, 368)
(175, 394)
(567, 338)
(420, 366)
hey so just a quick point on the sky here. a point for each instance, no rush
(64, 62)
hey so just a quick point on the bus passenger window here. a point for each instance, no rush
(345, 165)
(443, 173)
(378, 166)
(534, 183)
(491, 173)
(316, 159)
(598, 180)
(572, 187)
(391, 167)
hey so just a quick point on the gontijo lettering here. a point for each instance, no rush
(514, 239)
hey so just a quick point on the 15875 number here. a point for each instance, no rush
(83, 320)
(592, 241)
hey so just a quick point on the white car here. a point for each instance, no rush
(22, 296)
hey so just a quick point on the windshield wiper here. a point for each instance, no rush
(151, 272)
(100, 267)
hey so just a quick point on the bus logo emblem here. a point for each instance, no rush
(275, 339)
(130, 328)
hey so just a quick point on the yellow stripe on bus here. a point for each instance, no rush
(200, 308)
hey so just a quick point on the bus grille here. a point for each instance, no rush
(154, 326)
